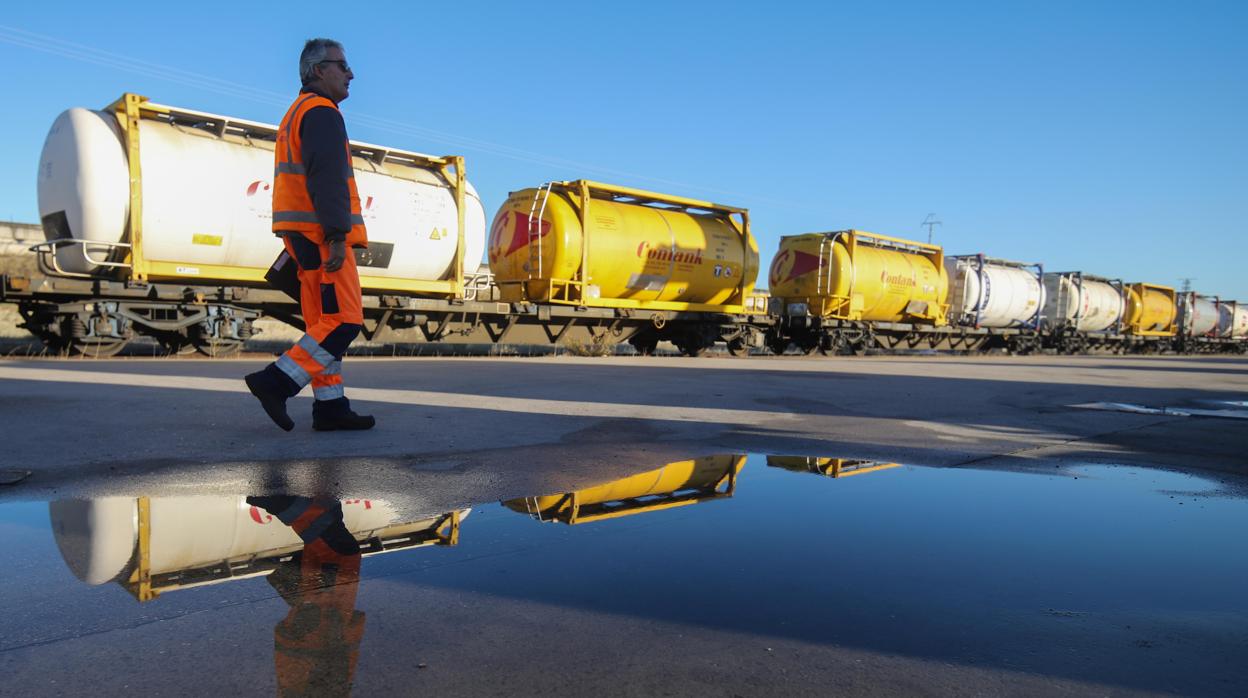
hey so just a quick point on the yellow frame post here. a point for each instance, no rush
(141, 577)
(745, 240)
(461, 181)
(584, 271)
(128, 110)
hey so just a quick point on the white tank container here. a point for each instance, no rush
(1004, 295)
(1084, 304)
(98, 538)
(207, 200)
(1198, 316)
(1233, 320)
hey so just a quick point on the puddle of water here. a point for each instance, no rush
(705, 565)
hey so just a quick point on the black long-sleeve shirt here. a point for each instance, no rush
(324, 136)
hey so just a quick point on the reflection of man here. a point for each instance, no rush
(317, 644)
(316, 210)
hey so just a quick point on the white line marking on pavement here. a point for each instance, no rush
(421, 397)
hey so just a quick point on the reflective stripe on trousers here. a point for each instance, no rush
(317, 357)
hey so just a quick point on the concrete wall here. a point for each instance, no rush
(16, 237)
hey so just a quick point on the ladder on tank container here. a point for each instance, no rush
(823, 287)
(535, 228)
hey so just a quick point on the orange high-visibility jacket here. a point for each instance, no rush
(292, 204)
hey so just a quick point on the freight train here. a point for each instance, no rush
(157, 222)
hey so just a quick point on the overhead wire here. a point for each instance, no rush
(88, 54)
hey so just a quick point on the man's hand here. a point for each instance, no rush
(337, 255)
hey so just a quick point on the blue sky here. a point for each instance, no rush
(1109, 137)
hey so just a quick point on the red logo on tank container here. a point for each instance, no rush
(257, 186)
(256, 198)
(523, 232)
(260, 516)
(790, 264)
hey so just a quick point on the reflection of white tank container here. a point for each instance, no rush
(987, 292)
(190, 541)
(1080, 302)
(205, 191)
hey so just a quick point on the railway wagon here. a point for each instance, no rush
(998, 294)
(1090, 313)
(158, 222)
(152, 545)
(852, 291)
(1082, 312)
(1233, 320)
(1151, 310)
(1197, 323)
(660, 267)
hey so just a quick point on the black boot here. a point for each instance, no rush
(272, 388)
(336, 415)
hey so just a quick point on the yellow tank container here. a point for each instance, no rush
(855, 275)
(675, 484)
(830, 467)
(592, 244)
(1151, 310)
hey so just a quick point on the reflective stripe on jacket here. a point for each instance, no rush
(293, 209)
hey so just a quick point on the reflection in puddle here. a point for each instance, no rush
(979, 589)
(674, 485)
(308, 548)
(829, 467)
(151, 545)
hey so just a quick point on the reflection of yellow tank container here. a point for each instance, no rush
(589, 244)
(674, 485)
(830, 467)
(855, 275)
(151, 545)
(1151, 310)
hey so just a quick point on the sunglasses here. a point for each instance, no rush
(341, 64)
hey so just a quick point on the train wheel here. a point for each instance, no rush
(645, 343)
(692, 347)
(175, 343)
(737, 347)
(694, 350)
(218, 348)
(92, 348)
(777, 344)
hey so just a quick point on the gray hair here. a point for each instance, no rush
(313, 53)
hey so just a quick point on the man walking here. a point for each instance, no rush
(316, 211)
